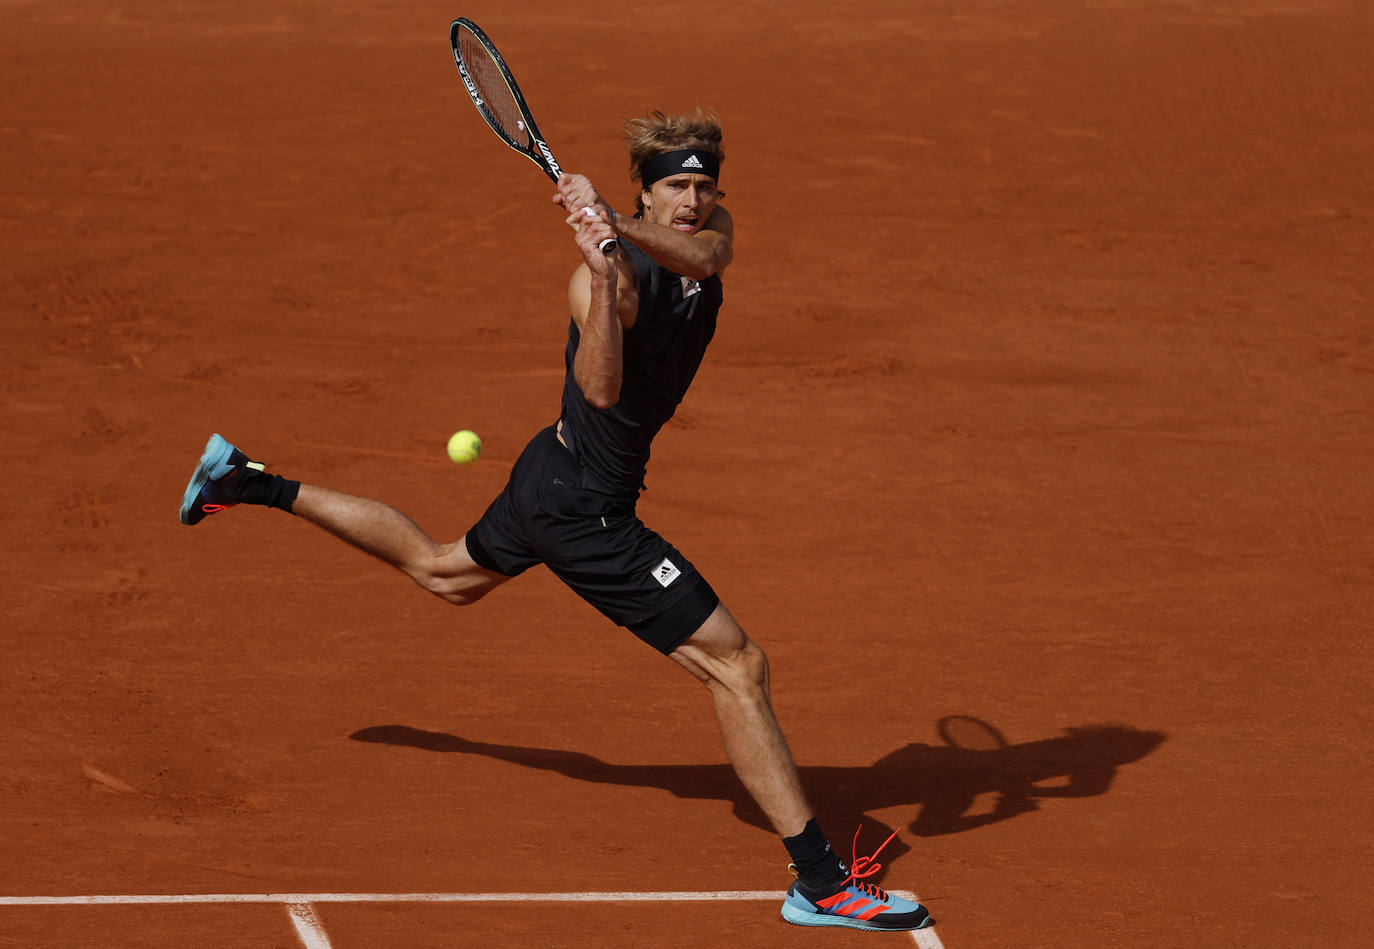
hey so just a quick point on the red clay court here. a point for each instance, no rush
(1035, 445)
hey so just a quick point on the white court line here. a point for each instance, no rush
(305, 898)
(308, 928)
(312, 934)
(926, 939)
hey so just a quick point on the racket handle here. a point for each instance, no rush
(609, 244)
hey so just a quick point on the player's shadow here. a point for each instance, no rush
(944, 781)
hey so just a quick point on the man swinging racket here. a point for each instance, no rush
(642, 317)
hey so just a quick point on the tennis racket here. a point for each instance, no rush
(493, 90)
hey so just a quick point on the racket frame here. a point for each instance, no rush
(536, 149)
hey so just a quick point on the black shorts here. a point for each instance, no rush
(593, 542)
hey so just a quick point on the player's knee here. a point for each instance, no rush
(725, 659)
(461, 597)
(756, 665)
(458, 590)
(453, 576)
(744, 671)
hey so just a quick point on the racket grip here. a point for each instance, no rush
(609, 244)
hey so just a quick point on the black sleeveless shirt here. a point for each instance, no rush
(662, 351)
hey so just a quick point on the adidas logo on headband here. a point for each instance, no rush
(677, 162)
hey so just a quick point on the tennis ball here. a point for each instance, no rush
(464, 447)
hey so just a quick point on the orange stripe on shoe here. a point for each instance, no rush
(831, 901)
(869, 914)
(853, 906)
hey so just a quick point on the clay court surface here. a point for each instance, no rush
(1036, 445)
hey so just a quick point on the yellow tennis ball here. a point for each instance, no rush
(464, 447)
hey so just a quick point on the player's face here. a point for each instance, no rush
(684, 202)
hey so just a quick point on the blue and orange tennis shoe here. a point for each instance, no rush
(853, 904)
(217, 482)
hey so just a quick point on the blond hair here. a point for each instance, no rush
(656, 133)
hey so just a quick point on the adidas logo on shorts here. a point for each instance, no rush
(665, 573)
(692, 162)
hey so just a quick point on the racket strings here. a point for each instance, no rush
(497, 99)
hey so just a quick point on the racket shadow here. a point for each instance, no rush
(944, 781)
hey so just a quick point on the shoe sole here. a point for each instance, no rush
(801, 917)
(214, 463)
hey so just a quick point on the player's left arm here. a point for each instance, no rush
(698, 256)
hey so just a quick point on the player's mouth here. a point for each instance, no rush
(686, 222)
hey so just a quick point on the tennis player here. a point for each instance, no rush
(642, 318)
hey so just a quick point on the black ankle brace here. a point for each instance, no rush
(270, 490)
(816, 863)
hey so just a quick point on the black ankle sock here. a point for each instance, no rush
(816, 863)
(271, 490)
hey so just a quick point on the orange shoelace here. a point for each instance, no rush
(861, 867)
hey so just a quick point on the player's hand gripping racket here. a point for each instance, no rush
(493, 90)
